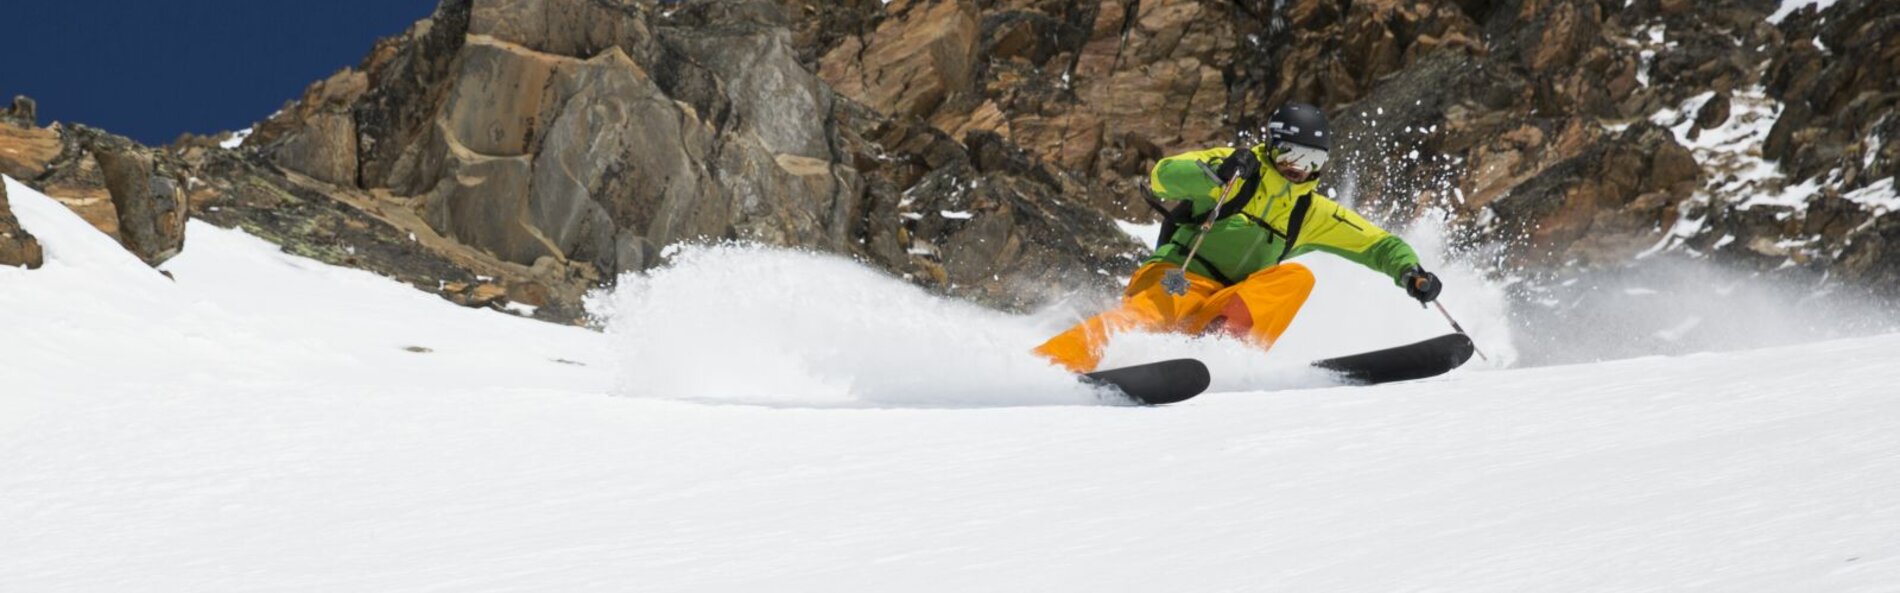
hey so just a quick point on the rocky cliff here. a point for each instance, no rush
(524, 151)
(131, 192)
(575, 139)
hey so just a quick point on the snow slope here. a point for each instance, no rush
(258, 425)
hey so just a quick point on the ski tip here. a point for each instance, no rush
(1459, 347)
(1428, 358)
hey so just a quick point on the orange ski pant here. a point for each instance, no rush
(1258, 310)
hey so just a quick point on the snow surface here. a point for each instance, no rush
(262, 423)
(1880, 196)
(237, 139)
(1144, 233)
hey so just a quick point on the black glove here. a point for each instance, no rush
(1421, 285)
(1242, 162)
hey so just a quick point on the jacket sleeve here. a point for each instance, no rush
(1180, 177)
(1332, 228)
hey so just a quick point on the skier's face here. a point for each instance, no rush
(1299, 164)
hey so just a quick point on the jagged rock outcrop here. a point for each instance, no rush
(148, 194)
(558, 142)
(25, 148)
(317, 136)
(913, 62)
(17, 247)
(24, 112)
(131, 192)
(73, 176)
(584, 135)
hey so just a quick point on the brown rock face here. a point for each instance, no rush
(133, 193)
(317, 136)
(913, 62)
(150, 202)
(76, 180)
(504, 105)
(17, 247)
(565, 28)
(1564, 32)
(572, 135)
(25, 151)
(1602, 204)
(470, 112)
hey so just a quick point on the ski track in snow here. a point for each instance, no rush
(257, 425)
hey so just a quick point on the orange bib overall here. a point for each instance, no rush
(1258, 309)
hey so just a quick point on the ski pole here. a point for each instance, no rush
(1176, 279)
(1460, 329)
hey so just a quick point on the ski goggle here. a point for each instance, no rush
(1304, 159)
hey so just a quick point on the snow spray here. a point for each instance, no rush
(766, 326)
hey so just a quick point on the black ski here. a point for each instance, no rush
(1155, 383)
(1429, 358)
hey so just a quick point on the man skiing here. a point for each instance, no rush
(1222, 265)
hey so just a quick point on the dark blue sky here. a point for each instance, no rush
(154, 69)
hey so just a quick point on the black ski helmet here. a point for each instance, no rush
(1302, 124)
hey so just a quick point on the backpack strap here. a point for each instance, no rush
(1294, 221)
(1171, 218)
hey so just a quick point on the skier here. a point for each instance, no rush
(1236, 279)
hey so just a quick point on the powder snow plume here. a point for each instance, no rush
(767, 326)
(757, 325)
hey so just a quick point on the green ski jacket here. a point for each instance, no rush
(1255, 238)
